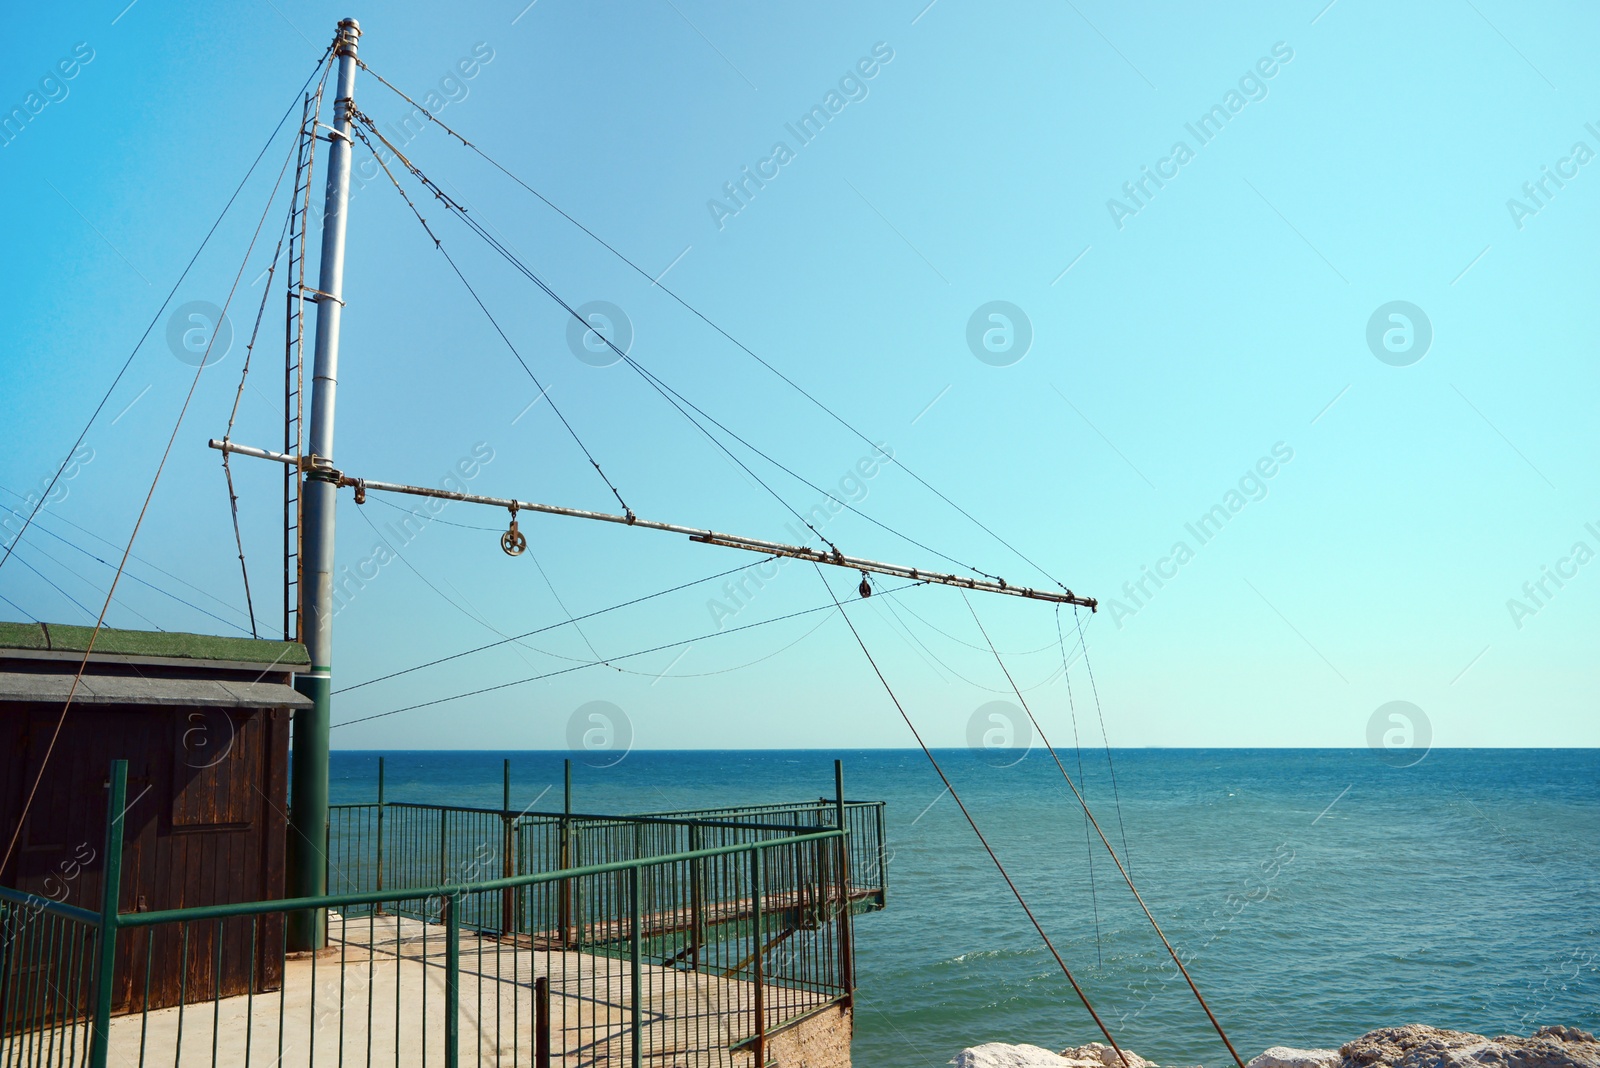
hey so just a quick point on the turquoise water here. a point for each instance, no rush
(1463, 891)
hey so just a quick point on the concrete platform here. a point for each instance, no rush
(377, 996)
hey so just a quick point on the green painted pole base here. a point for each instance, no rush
(110, 893)
(308, 813)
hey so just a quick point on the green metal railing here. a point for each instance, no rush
(57, 960)
(386, 843)
(48, 958)
(682, 936)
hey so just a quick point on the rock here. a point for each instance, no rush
(1100, 1055)
(1419, 1046)
(1289, 1057)
(1003, 1055)
(1411, 1046)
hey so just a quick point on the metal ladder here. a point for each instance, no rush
(294, 363)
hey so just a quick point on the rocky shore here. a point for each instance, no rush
(1411, 1046)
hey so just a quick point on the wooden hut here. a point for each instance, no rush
(204, 724)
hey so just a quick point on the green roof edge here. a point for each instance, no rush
(61, 638)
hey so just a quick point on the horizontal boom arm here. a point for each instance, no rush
(316, 468)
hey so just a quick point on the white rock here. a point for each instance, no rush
(1289, 1057)
(1004, 1055)
(1100, 1055)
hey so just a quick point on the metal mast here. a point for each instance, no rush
(308, 792)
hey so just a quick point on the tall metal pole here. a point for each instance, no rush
(308, 794)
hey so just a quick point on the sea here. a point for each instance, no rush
(1313, 894)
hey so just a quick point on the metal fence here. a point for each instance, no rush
(665, 938)
(396, 844)
(48, 956)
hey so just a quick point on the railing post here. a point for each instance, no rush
(452, 980)
(110, 889)
(636, 959)
(846, 962)
(508, 895)
(757, 890)
(883, 862)
(541, 1022)
(380, 831)
(444, 862)
(697, 901)
(564, 905)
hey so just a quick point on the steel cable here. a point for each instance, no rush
(543, 392)
(670, 396)
(1105, 841)
(144, 509)
(541, 630)
(597, 663)
(160, 311)
(733, 340)
(673, 397)
(1037, 926)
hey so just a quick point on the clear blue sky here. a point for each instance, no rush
(1179, 335)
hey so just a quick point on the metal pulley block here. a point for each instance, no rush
(513, 541)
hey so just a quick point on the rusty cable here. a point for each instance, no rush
(672, 396)
(144, 509)
(1103, 839)
(461, 209)
(98, 408)
(1037, 926)
(1077, 747)
(741, 346)
(552, 626)
(238, 396)
(363, 120)
(625, 656)
(238, 542)
(75, 547)
(1105, 739)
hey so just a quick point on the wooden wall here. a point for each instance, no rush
(204, 825)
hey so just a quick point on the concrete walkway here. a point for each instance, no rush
(377, 997)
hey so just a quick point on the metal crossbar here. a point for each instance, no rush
(319, 468)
